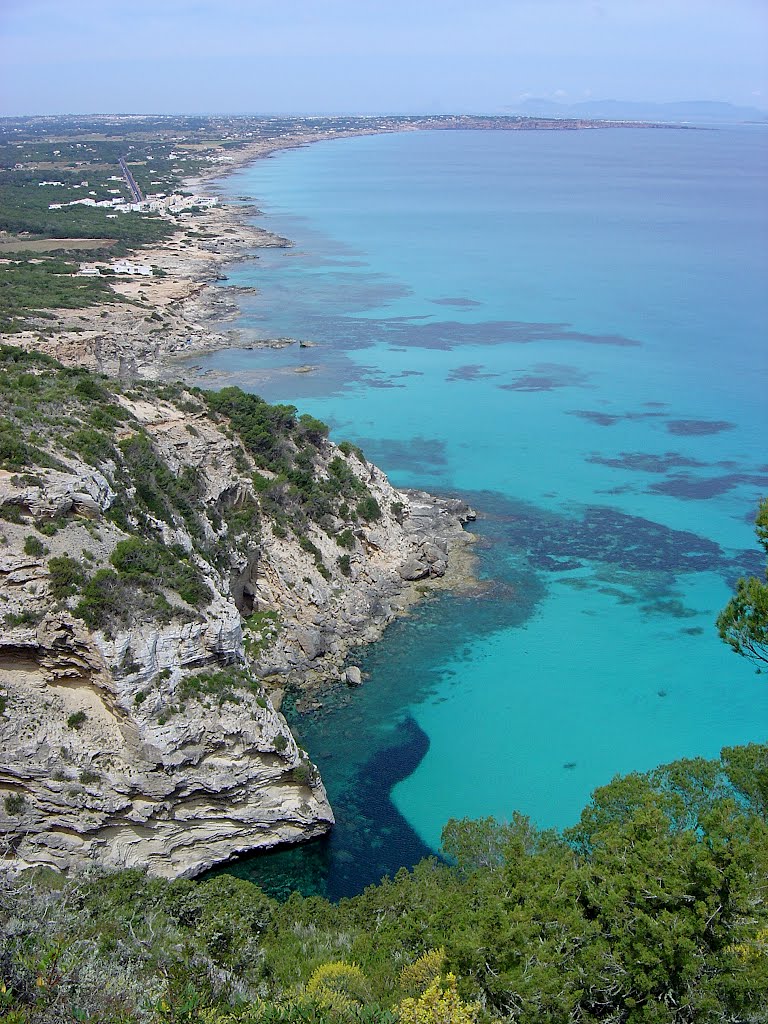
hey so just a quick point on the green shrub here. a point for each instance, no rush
(11, 513)
(66, 576)
(313, 429)
(15, 804)
(23, 618)
(93, 445)
(102, 600)
(368, 509)
(88, 386)
(345, 539)
(344, 564)
(222, 684)
(167, 496)
(76, 719)
(107, 417)
(15, 452)
(312, 549)
(52, 527)
(34, 547)
(287, 448)
(303, 774)
(351, 449)
(244, 519)
(152, 565)
(263, 428)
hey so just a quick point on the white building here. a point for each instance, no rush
(133, 269)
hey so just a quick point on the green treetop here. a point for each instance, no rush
(743, 623)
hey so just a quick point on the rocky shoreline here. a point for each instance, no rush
(108, 753)
(140, 731)
(178, 312)
(161, 321)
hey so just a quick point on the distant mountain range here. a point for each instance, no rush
(698, 111)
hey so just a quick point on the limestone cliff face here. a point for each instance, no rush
(138, 726)
(101, 759)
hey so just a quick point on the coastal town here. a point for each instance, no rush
(124, 215)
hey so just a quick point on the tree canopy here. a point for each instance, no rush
(743, 623)
(653, 909)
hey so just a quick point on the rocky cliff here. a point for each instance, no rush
(170, 561)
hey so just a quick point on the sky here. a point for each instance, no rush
(374, 56)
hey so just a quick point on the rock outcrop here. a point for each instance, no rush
(155, 605)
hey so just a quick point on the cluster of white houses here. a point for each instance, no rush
(160, 203)
(118, 267)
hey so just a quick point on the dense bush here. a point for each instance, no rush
(299, 490)
(145, 569)
(166, 495)
(652, 909)
(151, 565)
(33, 546)
(264, 429)
(103, 601)
(66, 576)
(369, 509)
(15, 451)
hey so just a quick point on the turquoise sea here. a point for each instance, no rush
(569, 329)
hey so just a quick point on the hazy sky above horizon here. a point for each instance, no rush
(366, 56)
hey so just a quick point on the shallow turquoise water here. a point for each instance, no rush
(569, 328)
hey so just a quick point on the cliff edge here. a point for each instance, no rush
(170, 561)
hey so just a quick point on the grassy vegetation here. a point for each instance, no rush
(24, 208)
(652, 910)
(260, 631)
(287, 447)
(83, 170)
(49, 284)
(222, 684)
(48, 413)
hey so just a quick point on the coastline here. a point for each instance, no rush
(183, 316)
(160, 322)
(177, 313)
(236, 210)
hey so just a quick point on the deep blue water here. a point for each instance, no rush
(570, 329)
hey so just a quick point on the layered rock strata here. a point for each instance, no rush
(152, 740)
